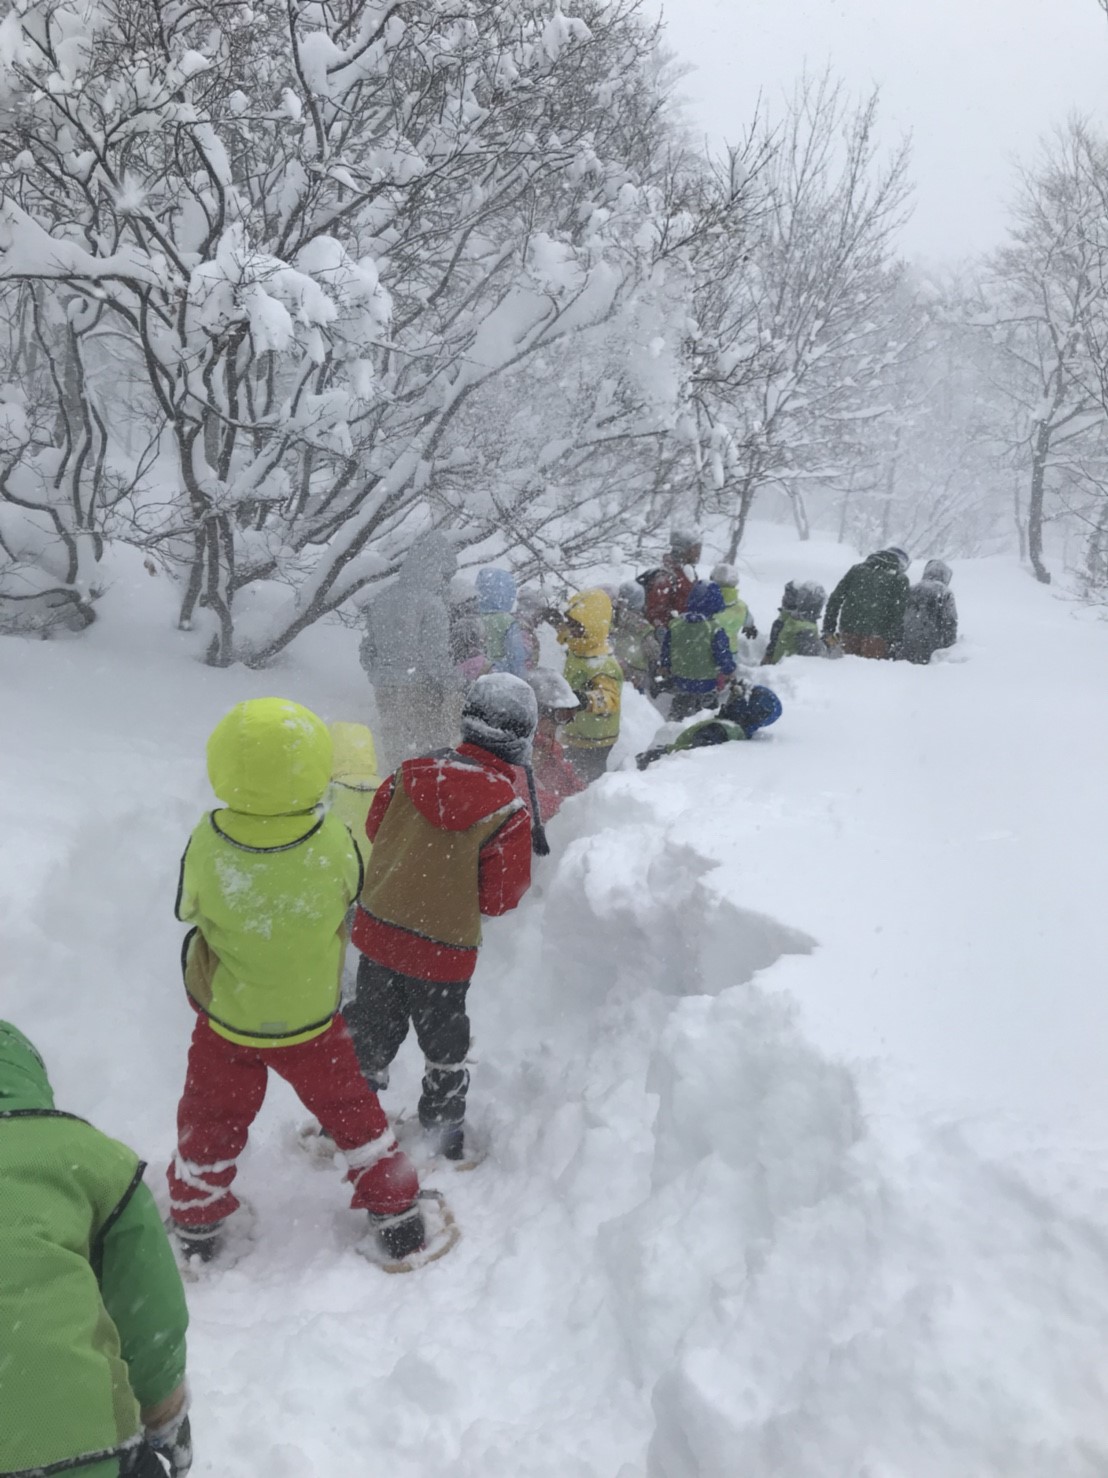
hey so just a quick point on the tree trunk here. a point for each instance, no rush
(1021, 522)
(738, 528)
(844, 508)
(890, 492)
(1035, 507)
(800, 516)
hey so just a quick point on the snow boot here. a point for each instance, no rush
(398, 1237)
(448, 1140)
(201, 1243)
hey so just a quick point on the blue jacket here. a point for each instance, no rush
(496, 594)
(705, 603)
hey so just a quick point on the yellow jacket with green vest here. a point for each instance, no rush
(267, 880)
(354, 781)
(735, 616)
(592, 672)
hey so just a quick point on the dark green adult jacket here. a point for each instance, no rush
(92, 1312)
(870, 599)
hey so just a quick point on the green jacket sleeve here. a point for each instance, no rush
(143, 1294)
(835, 603)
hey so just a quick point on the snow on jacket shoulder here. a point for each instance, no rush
(452, 841)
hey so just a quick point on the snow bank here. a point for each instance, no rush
(797, 1293)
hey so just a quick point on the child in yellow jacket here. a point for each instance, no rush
(354, 781)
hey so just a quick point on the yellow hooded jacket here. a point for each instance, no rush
(354, 781)
(267, 881)
(592, 672)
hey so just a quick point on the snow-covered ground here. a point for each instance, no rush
(792, 1065)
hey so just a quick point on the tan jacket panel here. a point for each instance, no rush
(424, 878)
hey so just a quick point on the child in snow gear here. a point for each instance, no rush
(795, 633)
(696, 654)
(354, 780)
(555, 778)
(504, 647)
(92, 1359)
(406, 652)
(931, 617)
(867, 605)
(452, 841)
(668, 587)
(597, 681)
(634, 644)
(735, 618)
(742, 713)
(266, 882)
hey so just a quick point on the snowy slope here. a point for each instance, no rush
(791, 1064)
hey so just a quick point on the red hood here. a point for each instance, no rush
(454, 791)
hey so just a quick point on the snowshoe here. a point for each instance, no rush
(444, 1146)
(213, 1248)
(392, 1241)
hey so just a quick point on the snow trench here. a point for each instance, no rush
(691, 1252)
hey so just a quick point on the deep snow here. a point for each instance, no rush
(791, 1063)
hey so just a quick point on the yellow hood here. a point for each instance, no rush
(269, 757)
(592, 609)
(355, 755)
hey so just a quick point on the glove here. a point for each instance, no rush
(172, 1439)
(750, 632)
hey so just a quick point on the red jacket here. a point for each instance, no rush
(555, 778)
(451, 792)
(668, 593)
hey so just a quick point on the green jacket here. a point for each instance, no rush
(710, 731)
(268, 881)
(633, 643)
(92, 1312)
(691, 653)
(870, 599)
(735, 616)
(792, 636)
(598, 683)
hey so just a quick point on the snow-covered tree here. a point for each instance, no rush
(931, 473)
(311, 239)
(795, 333)
(1047, 314)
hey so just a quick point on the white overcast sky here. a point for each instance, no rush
(975, 82)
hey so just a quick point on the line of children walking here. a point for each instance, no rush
(90, 1295)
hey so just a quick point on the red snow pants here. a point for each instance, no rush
(224, 1089)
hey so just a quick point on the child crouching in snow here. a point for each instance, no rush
(267, 882)
(744, 710)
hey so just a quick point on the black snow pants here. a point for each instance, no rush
(384, 1004)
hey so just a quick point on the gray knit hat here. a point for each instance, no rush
(500, 714)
